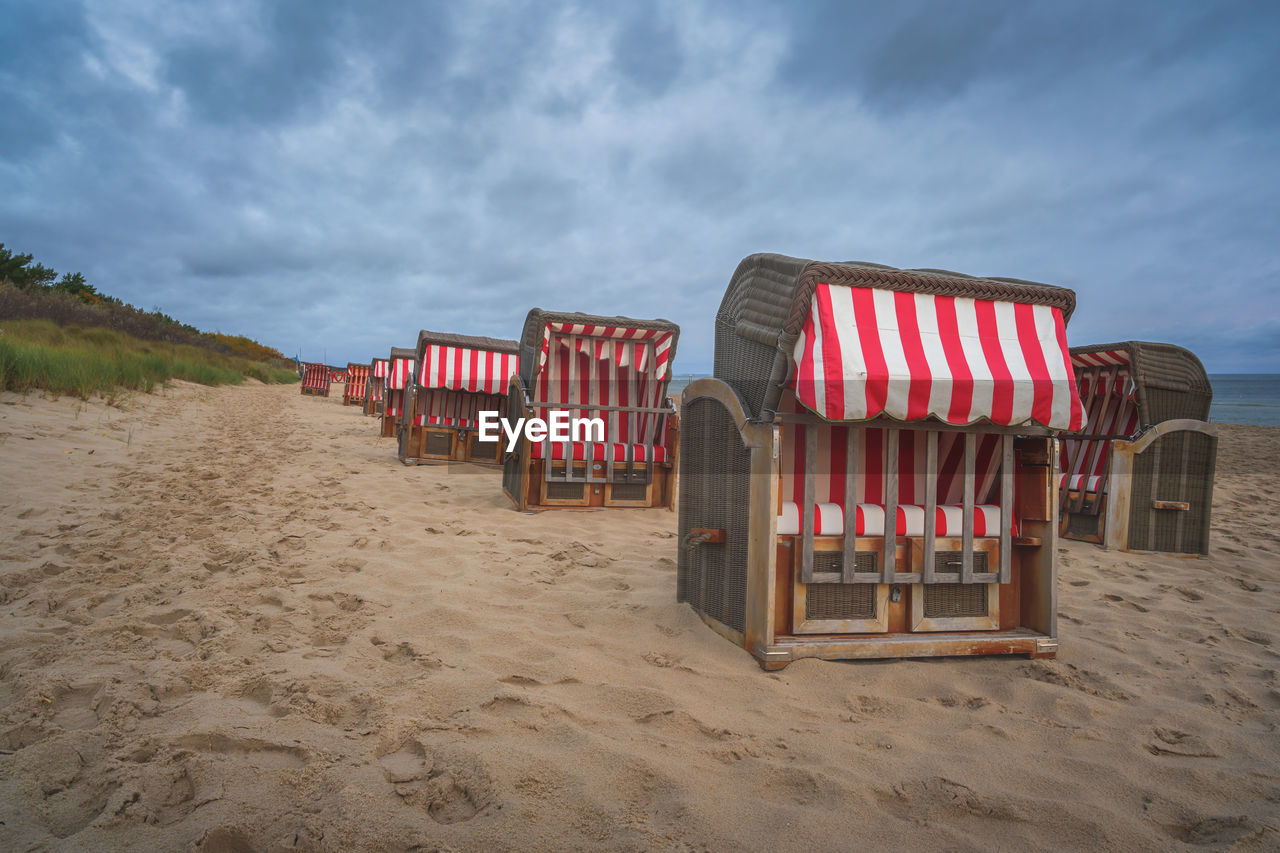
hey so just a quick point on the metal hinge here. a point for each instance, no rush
(1046, 646)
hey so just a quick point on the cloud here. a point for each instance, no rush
(331, 180)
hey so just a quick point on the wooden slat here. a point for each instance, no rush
(930, 504)
(807, 507)
(1182, 492)
(1111, 398)
(1155, 490)
(1006, 508)
(888, 568)
(966, 547)
(853, 446)
(552, 380)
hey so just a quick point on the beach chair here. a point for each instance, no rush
(357, 378)
(399, 369)
(457, 377)
(315, 379)
(614, 370)
(375, 387)
(870, 473)
(1140, 475)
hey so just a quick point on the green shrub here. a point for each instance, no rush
(39, 354)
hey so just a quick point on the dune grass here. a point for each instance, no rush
(39, 354)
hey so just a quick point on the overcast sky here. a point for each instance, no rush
(330, 178)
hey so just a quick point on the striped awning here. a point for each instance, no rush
(380, 368)
(399, 372)
(465, 369)
(618, 344)
(866, 352)
(1101, 358)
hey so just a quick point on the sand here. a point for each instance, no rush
(231, 620)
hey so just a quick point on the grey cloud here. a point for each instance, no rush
(333, 179)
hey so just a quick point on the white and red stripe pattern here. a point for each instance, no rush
(315, 376)
(582, 367)
(465, 369)
(395, 403)
(441, 407)
(1101, 358)
(832, 467)
(1110, 401)
(661, 343)
(398, 373)
(866, 352)
(828, 520)
(598, 451)
(380, 368)
(357, 375)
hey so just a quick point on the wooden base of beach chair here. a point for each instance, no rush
(388, 426)
(542, 493)
(1086, 524)
(426, 445)
(940, 596)
(315, 392)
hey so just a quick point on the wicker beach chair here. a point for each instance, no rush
(375, 387)
(1140, 476)
(614, 369)
(357, 378)
(315, 379)
(457, 377)
(399, 370)
(848, 394)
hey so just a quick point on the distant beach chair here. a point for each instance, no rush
(357, 378)
(375, 387)
(1140, 475)
(870, 471)
(399, 369)
(615, 369)
(457, 377)
(315, 379)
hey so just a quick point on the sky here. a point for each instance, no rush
(330, 178)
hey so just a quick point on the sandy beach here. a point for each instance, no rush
(232, 621)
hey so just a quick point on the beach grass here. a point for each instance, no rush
(80, 362)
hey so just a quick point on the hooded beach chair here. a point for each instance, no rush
(457, 378)
(315, 379)
(1140, 475)
(613, 370)
(357, 378)
(871, 472)
(399, 370)
(375, 387)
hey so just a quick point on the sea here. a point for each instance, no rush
(1238, 398)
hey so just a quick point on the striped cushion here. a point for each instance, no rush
(948, 521)
(598, 450)
(1075, 481)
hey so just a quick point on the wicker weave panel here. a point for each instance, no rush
(840, 601)
(715, 475)
(947, 600)
(438, 444)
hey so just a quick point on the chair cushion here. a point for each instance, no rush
(597, 450)
(948, 520)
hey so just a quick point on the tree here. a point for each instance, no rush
(18, 270)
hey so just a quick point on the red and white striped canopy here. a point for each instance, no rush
(465, 369)
(399, 372)
(618, 350)
(380, 368)
(1101, 358)
(866, 352)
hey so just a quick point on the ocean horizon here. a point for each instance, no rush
(1252, 399)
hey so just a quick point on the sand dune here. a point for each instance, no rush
(231, 620)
